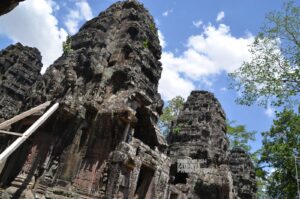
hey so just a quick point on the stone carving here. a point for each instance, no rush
(104, 142)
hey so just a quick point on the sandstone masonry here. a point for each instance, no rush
(104, 142)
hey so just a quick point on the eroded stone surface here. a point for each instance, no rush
(243, 173)
(200, 130)
(8, 5)
(19, 69)
(103, 142)
(107, 90)
(199, 134)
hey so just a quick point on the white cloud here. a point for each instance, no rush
(223, 89)
(270, 112)
(220, 16)
(162, 39)
(55, 6)
(85, 10)
(198, 23)
(208, 54)
(32, 23)
(167, 12)
(171, 84)
(72, 21)
(212, 52)
(82, 11)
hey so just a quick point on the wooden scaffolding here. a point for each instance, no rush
(22, 137)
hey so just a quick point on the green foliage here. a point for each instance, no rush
(177, 128)
(280, 145)
(67, 45)
(261, 184)
(239, 136)
(261, 175)
(272, 75)
(152, 26)
(146, 44)
(170, 112)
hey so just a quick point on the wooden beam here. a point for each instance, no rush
(10, 133)
(23, 115)
(9, 150)
(125, 134)
(2, 164)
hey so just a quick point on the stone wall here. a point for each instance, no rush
(103, 141)
(243, 173)
(107, 90)
(199, 133)
(19, 69)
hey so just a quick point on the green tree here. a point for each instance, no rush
(261, 175)
(280, 144)
(170, 113)
(272, 75)
(239, 136)
(67, 45)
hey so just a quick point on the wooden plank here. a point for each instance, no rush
(125, 134)
(10, 133)
(2, 164)
(9, 150)
(23, 115)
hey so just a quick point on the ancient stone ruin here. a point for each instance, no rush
(201, 136)
(19, 69)
(8, 5)
(243, 173)
(103, 141)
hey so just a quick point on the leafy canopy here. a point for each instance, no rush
(239, 136)
(170, 113)
(272, 74)
(280, 145)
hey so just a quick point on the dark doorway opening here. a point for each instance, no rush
(144, 181)
(144, 129)
(178, 178)
(173, 196)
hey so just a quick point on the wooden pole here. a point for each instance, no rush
(9, 150)
(126, 132)
(2, 164)
(23, 115)
(11, 133)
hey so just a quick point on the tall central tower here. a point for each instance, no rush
(106, 85)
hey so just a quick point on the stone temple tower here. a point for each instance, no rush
(199, 134)
(95, 144)
(103, 141)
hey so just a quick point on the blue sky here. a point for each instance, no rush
(203, 40)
